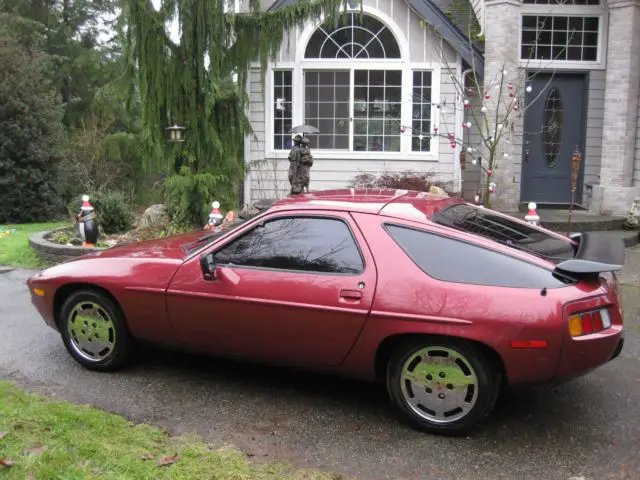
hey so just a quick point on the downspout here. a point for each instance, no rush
(457, 168)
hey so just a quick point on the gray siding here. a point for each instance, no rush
(471, 175)
(595, 122)
(636, 170)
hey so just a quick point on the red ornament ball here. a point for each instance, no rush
(401, 129)
(490, 173)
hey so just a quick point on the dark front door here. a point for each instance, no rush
(553, 128)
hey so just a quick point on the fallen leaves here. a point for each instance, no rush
(5, 462)
(168, 460)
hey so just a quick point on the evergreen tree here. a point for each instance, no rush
(31, 136)
(200, 83)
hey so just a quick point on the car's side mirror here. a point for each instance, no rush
(208, 266)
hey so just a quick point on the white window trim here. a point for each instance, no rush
(301, 64)
(567, 11)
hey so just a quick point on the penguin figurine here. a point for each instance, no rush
(87, 223)
(215, 217)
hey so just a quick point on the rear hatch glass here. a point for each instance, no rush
(502, 229)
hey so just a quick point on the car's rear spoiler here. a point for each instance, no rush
(596, 252)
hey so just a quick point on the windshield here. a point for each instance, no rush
(478, 221)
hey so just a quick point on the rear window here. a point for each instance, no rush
(451, 260)
(478, 221)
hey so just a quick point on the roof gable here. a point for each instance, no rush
(449, 18)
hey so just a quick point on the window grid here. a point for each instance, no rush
(356, 36)
(282, 108)
(559, 37)
(567, 3)
(377, 105)
(326, 107)
(421, 112)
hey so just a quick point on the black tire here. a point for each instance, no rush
(487, 379)
(122, 352)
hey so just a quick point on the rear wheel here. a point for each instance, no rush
(94, 331)
(441, 385)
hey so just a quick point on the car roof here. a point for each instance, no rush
(409, 204)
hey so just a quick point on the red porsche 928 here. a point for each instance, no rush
(442, 301)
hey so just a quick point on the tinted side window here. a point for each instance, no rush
(451, 260)
(302, 243)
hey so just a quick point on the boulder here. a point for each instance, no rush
(633, 216)
(156, 216)
(435, 190)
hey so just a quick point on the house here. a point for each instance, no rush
(385, 79)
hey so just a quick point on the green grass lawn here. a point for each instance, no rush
(46, 439)
(14, 248)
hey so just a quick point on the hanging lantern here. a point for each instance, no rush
(175, 134)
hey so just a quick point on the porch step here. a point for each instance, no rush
(582, 221)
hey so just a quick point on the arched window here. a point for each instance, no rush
(356, 36)
(353, 91)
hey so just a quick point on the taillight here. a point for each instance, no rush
(589, 322)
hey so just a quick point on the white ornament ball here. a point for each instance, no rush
(420, 136)
(505, 155)
(528, 89)
(470, 149)
(499, 126)
(216, 204)
(504, 72)
(483, 109)
(474, 162)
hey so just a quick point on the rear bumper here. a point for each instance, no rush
(618, 349)
(584, 354)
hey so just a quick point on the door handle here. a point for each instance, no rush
(351, 294)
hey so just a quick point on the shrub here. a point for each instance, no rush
(188, 196)
(114, 211)
(407, 180)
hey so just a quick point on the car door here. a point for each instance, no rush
(293, 289)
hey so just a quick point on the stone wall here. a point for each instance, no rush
(53, 253)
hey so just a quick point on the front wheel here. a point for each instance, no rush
(442, 386)
(94, 331)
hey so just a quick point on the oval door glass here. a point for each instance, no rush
(552, 127)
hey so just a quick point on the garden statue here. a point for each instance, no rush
(87, 223)
(215, 217)
(299, 175)
(294, 161)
